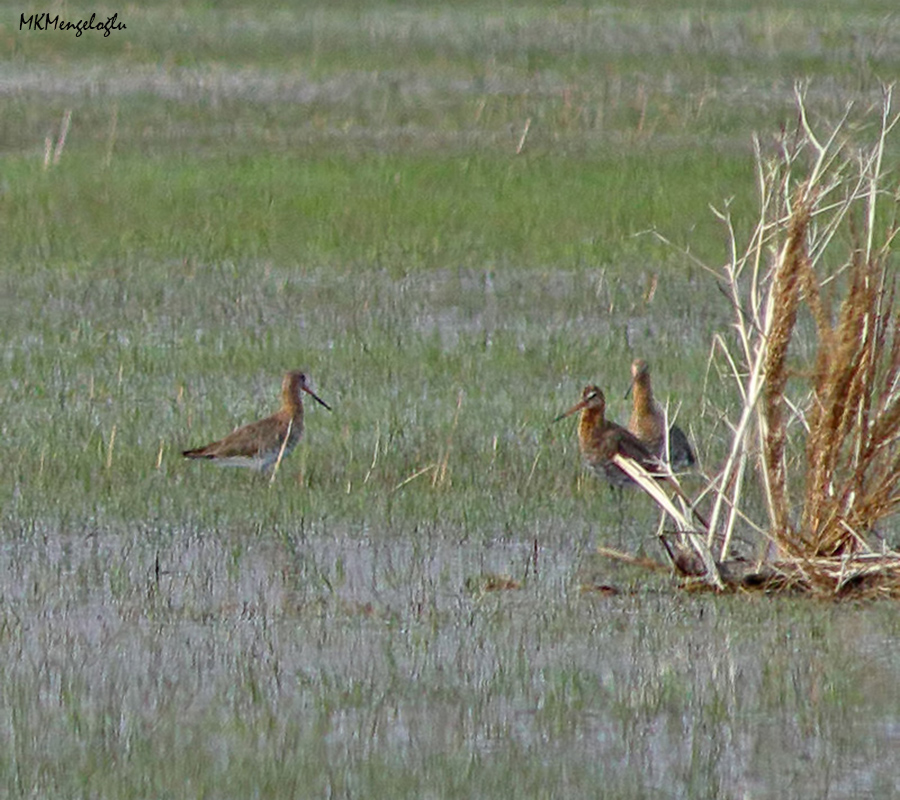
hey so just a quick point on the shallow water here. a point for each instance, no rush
(368, 649)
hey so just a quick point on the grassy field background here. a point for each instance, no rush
(445, 216)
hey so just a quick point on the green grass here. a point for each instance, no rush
(355, 213)
(338, 188)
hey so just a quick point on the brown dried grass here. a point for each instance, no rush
(824, 498)
(785, 295)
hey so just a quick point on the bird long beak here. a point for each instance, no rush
(630, 387)
(315, 397)
(573, 410)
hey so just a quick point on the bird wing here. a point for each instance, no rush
(249, 440)
(680, 451)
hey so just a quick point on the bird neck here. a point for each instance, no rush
(291, 402)
(591, 419)
(643, 395)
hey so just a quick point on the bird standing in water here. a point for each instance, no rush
(603, 443)
(600, 440)
(648, 423)
(261, 444)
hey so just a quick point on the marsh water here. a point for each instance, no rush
(326, 661)
(414, 607)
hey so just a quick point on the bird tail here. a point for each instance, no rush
(197, 452)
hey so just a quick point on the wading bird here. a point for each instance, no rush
(261, 444)
(648, 423)
(603, 443)
(600, 440)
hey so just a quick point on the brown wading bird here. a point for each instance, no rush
(648, 423)
(601, 440)
(261, 444)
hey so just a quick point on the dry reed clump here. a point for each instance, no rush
(823, 240)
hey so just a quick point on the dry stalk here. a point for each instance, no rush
(63, 133)
(816, 195)
(417, 474)
(648, 483)
(374, 454)
(521, 146)
(784, 301)
(442, 474)
(281, 450)
(628, 558)
(110, 447)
